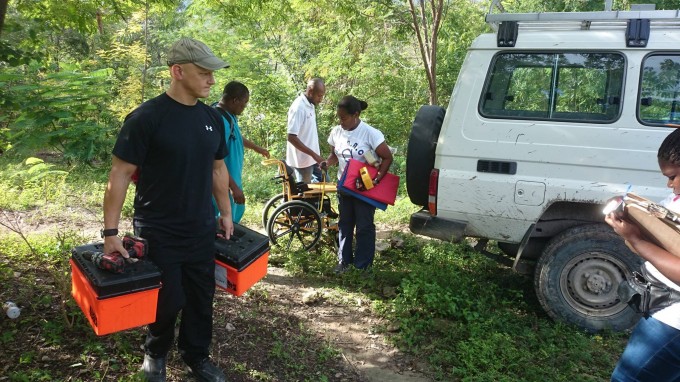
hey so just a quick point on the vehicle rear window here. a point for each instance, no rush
(659, 100)
(554, 86)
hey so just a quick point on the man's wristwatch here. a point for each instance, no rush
(109, 232)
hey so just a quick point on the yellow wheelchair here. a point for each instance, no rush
(296, 218)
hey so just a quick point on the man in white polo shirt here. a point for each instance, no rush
(303, 153)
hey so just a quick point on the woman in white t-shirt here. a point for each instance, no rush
(653, 350)
(352, 139)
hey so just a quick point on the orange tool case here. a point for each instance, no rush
(241, 261)
(110, 301)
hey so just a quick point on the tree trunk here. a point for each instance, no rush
(146, 48)
(3, 11)
(427, 35)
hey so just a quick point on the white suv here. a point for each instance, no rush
(551, 116)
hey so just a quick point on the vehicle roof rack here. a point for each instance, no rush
(582, 20)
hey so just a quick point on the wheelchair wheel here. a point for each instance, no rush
(294, 225)
(270, 206)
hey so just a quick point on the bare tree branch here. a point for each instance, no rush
(12, 221)
(427, 39)
(437, 11)
(426, 33)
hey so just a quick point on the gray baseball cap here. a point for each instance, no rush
(190, 51)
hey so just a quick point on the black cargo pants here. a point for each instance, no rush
(188, 286)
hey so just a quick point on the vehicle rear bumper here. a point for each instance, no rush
(422, 223)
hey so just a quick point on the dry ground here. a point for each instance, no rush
(350, 326)
(278, 331)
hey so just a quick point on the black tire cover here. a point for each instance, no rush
(420, 151)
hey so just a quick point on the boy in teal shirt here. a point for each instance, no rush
(235, 97)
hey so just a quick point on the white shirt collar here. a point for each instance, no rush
(305, 100)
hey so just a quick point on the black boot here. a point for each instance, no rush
(154, 368)
(205, 371)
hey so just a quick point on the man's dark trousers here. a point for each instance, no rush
(188, 285)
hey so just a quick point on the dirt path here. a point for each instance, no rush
(350, 326)
(343, 319)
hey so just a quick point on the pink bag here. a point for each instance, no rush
(384, 192)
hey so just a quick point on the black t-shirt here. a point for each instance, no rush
(174, 146)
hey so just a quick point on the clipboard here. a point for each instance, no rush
(657, 223)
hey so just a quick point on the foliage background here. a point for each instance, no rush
(71, 70)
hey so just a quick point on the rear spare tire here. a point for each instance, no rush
(578, 275)
(420, 151)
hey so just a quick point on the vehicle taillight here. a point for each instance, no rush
(432, 192)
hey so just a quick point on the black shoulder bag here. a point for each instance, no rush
(646, 294)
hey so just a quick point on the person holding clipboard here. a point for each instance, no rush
(653, 350)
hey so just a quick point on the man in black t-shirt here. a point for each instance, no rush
(176, 145)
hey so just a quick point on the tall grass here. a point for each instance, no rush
(475, 320)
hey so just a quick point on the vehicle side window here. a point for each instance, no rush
(659, 101)
(554, 86)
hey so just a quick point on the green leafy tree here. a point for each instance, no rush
(358, 47)
(459, 29)
(361, 47)
(73, 70)
(57, 112)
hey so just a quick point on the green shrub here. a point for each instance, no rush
(63, 112)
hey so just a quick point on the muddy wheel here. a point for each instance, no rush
(270, 206)
(578, 275)
(294, 225)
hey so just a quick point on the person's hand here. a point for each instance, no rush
(226, 225)
(115, 244)
(238, 196)
(323, 165)
(318, 158)
(377, 178)
(264, 152)
(627, 230)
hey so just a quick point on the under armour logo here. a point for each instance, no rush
(208, 128)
